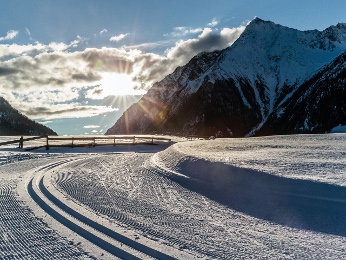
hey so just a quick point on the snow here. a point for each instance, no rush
(263, 197)
(281, 55)
(310, 157)
(271, 59)
(267, 55)
(339, 129)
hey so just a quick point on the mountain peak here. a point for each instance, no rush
(333, 32)
(235, 91)
(261, 27)
(341, 26)
(336, 33)
(12, 122)
(260, 22)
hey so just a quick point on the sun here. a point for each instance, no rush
(115, 84)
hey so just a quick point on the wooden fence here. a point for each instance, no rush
(21, 140)
(77, 141)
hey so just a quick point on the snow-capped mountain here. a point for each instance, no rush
(245, 87)
(317, 106)
(13, 122)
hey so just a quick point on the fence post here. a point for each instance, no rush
(134, 139)
(72, 142)
(21, 142)
(152, 140)
(94, 141)
(114, 140)
(47, 144)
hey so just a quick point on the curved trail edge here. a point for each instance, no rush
(86, 234)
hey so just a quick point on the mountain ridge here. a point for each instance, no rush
(12, 122)
(233, 92)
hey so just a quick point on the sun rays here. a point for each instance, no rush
(122, 102)
(115, 84)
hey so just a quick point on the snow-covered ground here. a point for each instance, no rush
(266, 197)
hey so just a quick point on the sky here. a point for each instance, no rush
(75, 66)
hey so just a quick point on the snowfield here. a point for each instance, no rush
(278, 197)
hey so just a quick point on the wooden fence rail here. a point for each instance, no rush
(49, 139)
(21, 140)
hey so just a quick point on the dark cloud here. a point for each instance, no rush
(66, 111)
(25, 64)
(54, 77)
(108, 60)
(155, 67)
(97, 91)
(209, 40)
(55, 70)
(46, 111)
(49, 81)
(7, 71)
(88, 77)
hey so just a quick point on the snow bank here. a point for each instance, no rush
(268, 177)
(339, 129)
(318, 158)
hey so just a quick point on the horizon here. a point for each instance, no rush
(76, 67)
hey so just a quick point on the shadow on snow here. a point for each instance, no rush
(296, 203)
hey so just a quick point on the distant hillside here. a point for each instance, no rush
(12, 122)
(272, 80)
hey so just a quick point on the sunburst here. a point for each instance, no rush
(115, 84)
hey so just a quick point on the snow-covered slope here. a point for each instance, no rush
(13, 122)
(234, 91)
(317, 106)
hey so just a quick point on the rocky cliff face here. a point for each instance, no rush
(249, 88)
(318, 105)
(14, 123)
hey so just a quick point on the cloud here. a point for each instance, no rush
(197, 30)
(27, 31)
(208, 40)
(54, 67)
(8, 71)
(65, 111)
(10, 35)
(148, 45)
(94, 92)
(153, 66)
(119, 37)
(179, 28)
(109, 59)
(48, 76)
(213, 23)
(45, 122)
(183, 31)
(91, 126)
(86, 77)
(10, 51)
(103, 31)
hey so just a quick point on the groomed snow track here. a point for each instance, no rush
(147, 193)
(194, 200)
(77, 227)
(23, 235)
